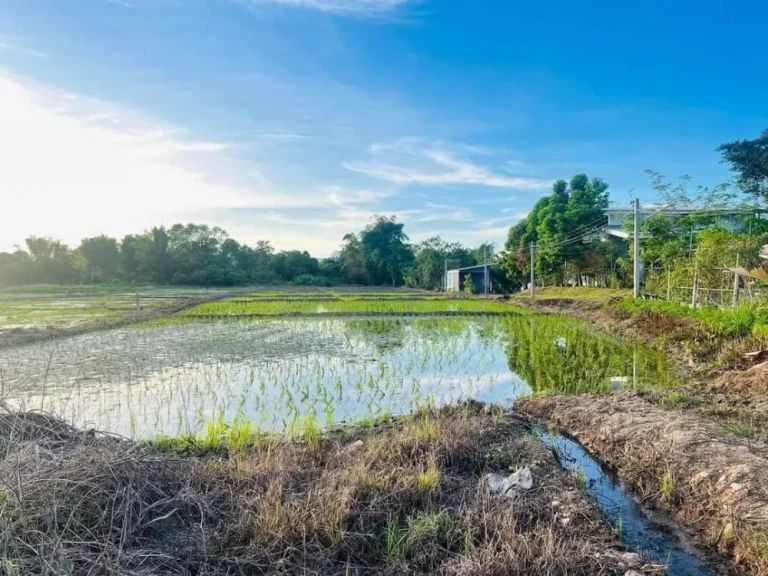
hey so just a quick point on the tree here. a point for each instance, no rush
(16, 268)
(288, 265)
(129, 267)
(749, 159)
(156, 259)
(469, 285)
(560, 225)
(52, 261)
(352, 260)
(430, 258)
(387, 254)
(102, 255)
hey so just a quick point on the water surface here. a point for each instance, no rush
(175, 378)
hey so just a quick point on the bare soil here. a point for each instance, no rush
(715, 482)
(406, 497)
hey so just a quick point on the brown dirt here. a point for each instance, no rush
(408, 498)
(714, 482)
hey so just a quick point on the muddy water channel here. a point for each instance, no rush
(177, 378)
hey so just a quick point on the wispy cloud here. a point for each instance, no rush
(343, 196)
(415, 161)
(73, 166)
(348, 7)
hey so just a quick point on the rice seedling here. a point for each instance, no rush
(191, 378)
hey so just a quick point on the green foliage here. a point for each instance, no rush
(739, 321)
(469, 285)
(430, 259)
(749, 159)
(570, 211)
(386, 252)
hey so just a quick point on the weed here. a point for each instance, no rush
(429, 480)
(581, 479)
(394, 541)
(741, 427)
(428, 528)
(667, 486)
(674, 399)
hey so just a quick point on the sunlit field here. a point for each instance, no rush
(182, 376)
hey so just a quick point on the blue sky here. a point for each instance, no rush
(296, 120)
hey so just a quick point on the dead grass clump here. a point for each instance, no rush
(404, 497)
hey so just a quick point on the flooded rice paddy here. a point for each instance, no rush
(282, 374)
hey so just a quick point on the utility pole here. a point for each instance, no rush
(485, 270)
(736, 284)
(636, 211)
(533, 279)
(445, 277)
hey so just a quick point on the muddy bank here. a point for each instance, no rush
(18, 336)
(713, 482)
(403, 497)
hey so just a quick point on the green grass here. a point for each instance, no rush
(574, 293)
(741, 321)
(667, 486)
(674, 399)
(387, 306)
(217, 437)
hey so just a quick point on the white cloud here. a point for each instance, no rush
(74, 167)
(343, 196)
(414, 161)
(364, 7)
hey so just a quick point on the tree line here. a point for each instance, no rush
(720, 225)
(196, 254)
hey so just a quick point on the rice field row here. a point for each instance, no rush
(295, 307)
(287, 375)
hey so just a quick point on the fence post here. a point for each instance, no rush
(736, 284)
(695, 294)
(533, 293)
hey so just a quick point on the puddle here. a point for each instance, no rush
(639, 530)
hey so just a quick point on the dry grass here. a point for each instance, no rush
(407, 498)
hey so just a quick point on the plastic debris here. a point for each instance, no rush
(510, 485)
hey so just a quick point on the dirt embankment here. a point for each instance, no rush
(17, 336)
(714, 482)
(407, 497)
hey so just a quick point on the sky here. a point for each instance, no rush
(298, 120)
